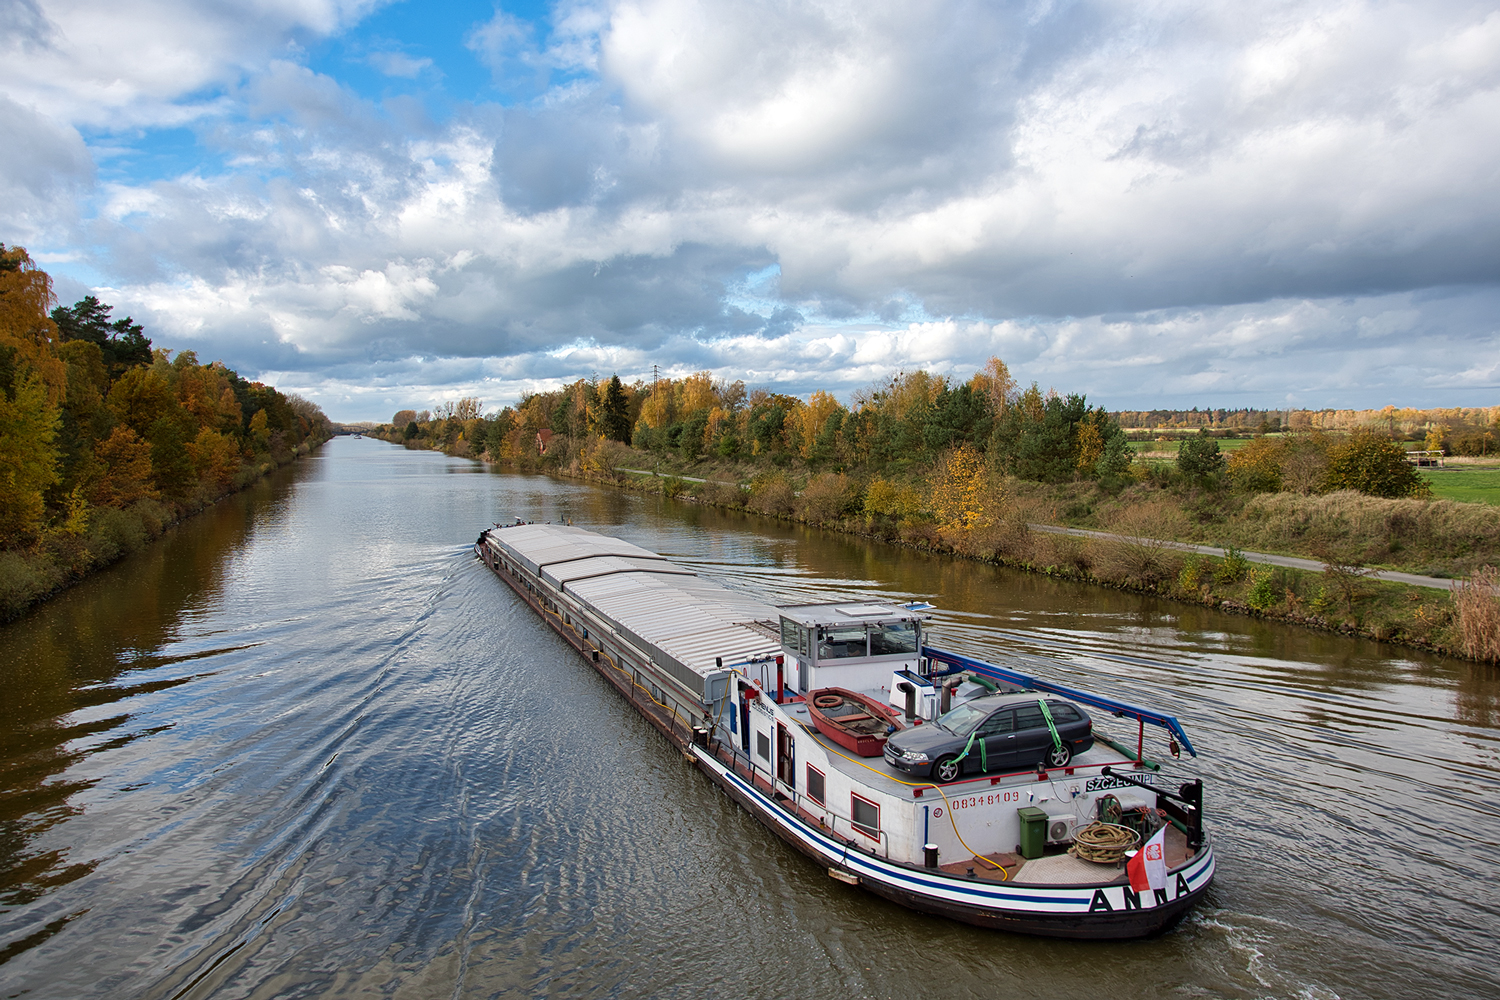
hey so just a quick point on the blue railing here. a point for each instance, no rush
(959, 662)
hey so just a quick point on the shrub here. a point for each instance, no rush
(1262, 594)
(1478, 610)
(1191, 578)
(828, 497)
(719, 494)
(771, 493)
(1374, 464)
(1233, 567)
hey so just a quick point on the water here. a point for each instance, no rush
(308, 746)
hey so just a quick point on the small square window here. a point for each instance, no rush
(866, 816)
(763, 745)
(815, 784)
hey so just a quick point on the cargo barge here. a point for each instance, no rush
(1000, 839)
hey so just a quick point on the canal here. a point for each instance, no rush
(306, 745)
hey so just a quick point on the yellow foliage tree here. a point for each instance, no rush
(893, 500)
(808, 420)
(995, 385)
(127, 461)
(959, 489)
(33, 385)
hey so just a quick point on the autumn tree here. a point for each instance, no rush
(33, 385)
(1372, 463)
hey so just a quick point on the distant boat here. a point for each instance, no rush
(856, 722)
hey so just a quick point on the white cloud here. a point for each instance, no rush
(1163, 199)
(399, 64)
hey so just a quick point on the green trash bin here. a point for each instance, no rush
(1033, 831)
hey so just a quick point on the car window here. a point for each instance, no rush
(998, 723)
(1030, 717)
(962, 719)
(1062, 712)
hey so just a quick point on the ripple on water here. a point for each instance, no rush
(308, 746)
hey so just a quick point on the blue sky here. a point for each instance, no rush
(383, 205)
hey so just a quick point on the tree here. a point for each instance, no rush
(614, 422)
(1372, 463)
(1199, 458)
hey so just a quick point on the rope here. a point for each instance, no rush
(1103, 843)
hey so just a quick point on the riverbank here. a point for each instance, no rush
(63, 557)
(1345, 596)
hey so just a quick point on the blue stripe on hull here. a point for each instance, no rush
(997, 905)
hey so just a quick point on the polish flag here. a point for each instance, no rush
(1148, 869)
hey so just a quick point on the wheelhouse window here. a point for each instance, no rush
(794, 637)
(893, 637)
(866, 816)
(839, 641)
(815, 784)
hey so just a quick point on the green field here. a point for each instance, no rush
(1475, 485)
(1225, 445)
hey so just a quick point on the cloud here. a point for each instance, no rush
(398, 64)
(44, 167)
(1163, 200)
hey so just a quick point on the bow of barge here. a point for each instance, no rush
(728, 678)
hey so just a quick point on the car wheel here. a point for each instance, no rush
(945, 770)
(1059, 756)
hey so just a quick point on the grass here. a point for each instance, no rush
(1470, 485)
(1225, 444)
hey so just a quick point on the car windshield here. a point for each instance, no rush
(962, 720)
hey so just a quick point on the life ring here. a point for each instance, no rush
(828, 701)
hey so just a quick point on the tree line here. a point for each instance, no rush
(104, 438)
(903, 425)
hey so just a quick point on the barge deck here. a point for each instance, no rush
(725, 677)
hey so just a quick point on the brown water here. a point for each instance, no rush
(308, 746)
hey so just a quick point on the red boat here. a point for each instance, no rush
(854, 721)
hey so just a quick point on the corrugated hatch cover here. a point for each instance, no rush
(681, 620)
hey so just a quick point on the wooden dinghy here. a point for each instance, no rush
(854, 721)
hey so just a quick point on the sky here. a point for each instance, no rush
(387, 205)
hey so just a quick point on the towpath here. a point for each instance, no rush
(1293, 562)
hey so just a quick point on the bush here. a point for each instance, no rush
(828, 497)
(1262, 594)
(1233, 567)
(1373, 464)
(717, 494)
(771, 493)
(1478, 610)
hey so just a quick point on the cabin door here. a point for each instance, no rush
(786, 756)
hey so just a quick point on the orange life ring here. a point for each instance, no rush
(828, 701)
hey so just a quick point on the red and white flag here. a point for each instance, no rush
(1148, 869)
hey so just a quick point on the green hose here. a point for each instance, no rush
(1047, 714)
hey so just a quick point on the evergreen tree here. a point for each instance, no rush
(615, 421)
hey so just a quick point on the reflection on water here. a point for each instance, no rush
(307, 745)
